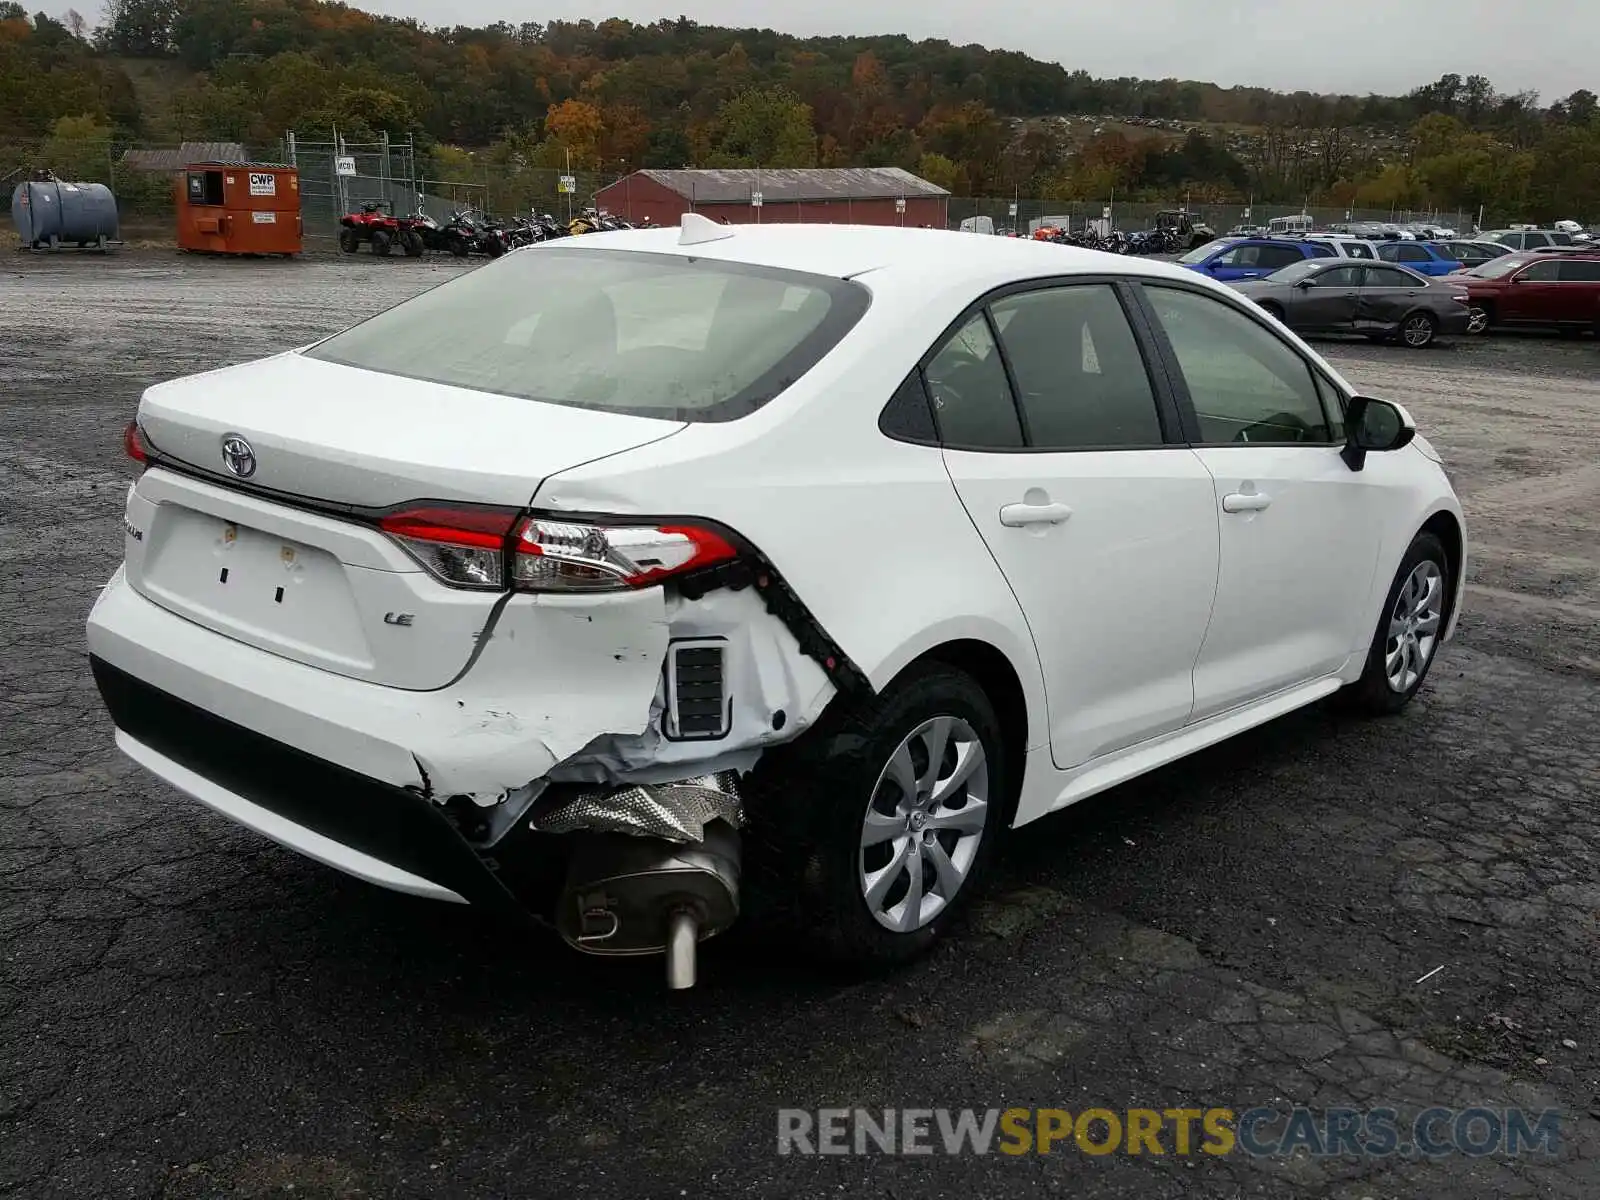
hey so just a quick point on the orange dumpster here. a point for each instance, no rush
(239, 208)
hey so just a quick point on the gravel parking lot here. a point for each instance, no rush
(188, 1011)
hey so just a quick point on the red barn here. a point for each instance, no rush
(813, 195)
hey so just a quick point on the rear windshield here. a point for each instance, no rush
(650, 335)
(1496, 268)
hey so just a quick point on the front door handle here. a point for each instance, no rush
(1019, 516)
(1239, 502)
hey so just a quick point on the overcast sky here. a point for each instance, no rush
(1354, 46)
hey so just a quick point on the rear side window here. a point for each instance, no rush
(1581, 271)
(1412, 253)
(1358, 250)
(1390, 277)
(1246, 386)
(1079, 374)
(650, 335)
(1530, 240)
(1560, 239)
(970, 393)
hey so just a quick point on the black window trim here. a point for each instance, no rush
(1168, 413)
(1179, 387)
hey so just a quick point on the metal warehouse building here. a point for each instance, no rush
(815, 195)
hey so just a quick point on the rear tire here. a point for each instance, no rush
(381, 243)
(1417, 330)
(349, 240)
(1410, 628)
(861, 841)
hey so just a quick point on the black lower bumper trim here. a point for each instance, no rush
(389, 823)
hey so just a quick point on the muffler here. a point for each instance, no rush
(630, 895)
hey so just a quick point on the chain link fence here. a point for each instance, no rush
(337, 177)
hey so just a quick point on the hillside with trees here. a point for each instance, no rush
(615, 94)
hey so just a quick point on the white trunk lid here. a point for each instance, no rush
(323, 588)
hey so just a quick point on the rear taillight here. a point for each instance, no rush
(133, 444)
(470, 547)
(462, 546)
(567, 556)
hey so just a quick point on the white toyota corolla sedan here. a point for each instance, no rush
(624, 570)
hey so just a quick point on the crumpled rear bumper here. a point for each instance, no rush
(386, 835)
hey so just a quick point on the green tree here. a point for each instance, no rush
(140, 28)
(763, 127)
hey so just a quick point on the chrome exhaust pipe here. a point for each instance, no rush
(683, 931)
(627, 895)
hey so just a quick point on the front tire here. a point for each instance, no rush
(872, 832)
(1479, 318)
(1409, 631)
(349, 240)
(411, 243)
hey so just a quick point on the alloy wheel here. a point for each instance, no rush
(1414, 626)
(1417, 331)
(926, 819)
(1477, 320)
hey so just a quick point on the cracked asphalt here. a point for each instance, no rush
(187, 1010)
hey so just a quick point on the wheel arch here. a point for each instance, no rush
(1446, 526)
(993, 672)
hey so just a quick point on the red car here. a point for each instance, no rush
(1550, 291)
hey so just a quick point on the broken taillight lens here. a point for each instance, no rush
(571, 556)
(470, 547)
(464, 547)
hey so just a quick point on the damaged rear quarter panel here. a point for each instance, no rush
(868, 531)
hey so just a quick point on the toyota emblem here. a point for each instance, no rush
(237, 456)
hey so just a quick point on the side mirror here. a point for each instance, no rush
(1374, 426)
(1305, 283)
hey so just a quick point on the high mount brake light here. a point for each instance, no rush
(471, 547)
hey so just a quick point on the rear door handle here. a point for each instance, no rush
(1019, 516)
(1238, 502)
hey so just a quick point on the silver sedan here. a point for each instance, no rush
(1382, 300)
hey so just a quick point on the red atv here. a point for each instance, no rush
(380, 227)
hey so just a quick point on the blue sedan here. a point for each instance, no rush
(1423, 257)
(1230, 259)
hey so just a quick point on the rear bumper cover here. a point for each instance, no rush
(386, 835)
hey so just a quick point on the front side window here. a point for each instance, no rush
(1339, 277)
(650, 335)
(1246, 385)
(1240, 256)
(1542, 272)
(1079, 374)
(1279, 256)
(970, 393)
